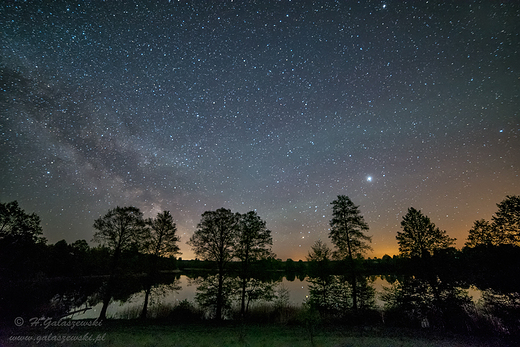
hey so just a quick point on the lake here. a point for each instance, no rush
(298, 292)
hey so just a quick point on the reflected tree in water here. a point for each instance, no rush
(215, 240)
(158, 291)
(502, 311)
(414, 301)
(256, 290)
(334, 294)
(161, 241)
(347, 232)
(121, 229)
(431, 294)
(215, 295)
(321, 280)
(253, 243)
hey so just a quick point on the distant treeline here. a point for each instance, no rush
(489, 266)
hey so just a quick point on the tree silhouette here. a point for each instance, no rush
(21, 241)
(482, 233)
(506, 220)
(347, 233)
(214, 240)
(320, 276)
(122, 228)
(18, 226)
(504, 228)
(420, 237)
(320, 253)
(253, 243)
(161, 240)
(347, 229)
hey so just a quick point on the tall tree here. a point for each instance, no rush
(160, 241)
(420, 237)
(254, 242)
(347, 233)
(214, 240)
(348, 229)
(506, 220)
(120, 229)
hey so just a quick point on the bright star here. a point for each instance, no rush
(369, 178)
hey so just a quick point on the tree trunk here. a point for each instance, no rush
(352, 269)
(243, 303)
(150, 280)
(110, 285)
(144, 312)
(106, 301)
(354, 291)
(220, 295)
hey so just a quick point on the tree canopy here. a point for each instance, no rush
(504, 228)
(482, 233)
(506, 220)
(420, 237)
(319, 252)
(162, 238)
(254, 240)
(120, 229)
(214, 239)
(19, 226)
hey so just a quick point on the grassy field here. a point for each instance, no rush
(135, 333)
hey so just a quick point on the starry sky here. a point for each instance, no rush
(273, 106)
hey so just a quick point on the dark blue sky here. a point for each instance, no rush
(274, 106)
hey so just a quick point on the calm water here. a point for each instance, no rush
(298, 292)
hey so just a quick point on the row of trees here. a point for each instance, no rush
(123, 229)
(432, 271)
(503, 229)
(222, 237)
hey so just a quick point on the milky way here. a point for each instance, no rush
(270, 106)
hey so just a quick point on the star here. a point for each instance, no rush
(275, 108)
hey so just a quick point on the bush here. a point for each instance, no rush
(185, 311)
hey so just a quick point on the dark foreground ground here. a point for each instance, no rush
(149, 334)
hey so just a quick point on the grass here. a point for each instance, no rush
(282, 325)
(135, 333)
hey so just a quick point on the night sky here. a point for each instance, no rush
(272, 106)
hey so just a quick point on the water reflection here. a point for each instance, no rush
(297, 289)
(411, 302)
